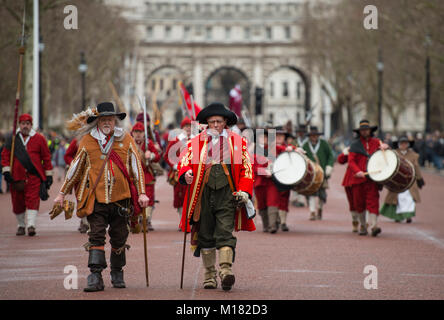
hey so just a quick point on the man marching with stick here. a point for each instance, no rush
(108, 193)
(216, 166)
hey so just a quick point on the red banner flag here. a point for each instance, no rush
(187, 98)
(236, 100)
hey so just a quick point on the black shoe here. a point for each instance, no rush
(1, 191)
(95, 282)
(409, 220)
(20, 231)
(284, 227)
(150, 227)
(31, 231)
(376, 231)
(227, 282)
(117, 279)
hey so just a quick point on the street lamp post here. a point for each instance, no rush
(83, 67)
(380, 67)
(427, 85)
(41, 48)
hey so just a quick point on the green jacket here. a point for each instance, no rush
(324, 153)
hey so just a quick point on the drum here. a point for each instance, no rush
(388, 168)
(292, 170)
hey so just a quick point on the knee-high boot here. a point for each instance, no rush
(96, 263)
(209, 263)
(118, 261)
(225, 263)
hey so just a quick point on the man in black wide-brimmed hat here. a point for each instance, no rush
(318, 150)
(365, 192)
(216, 166)
(110, 188)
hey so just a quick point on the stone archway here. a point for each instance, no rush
(218, 84)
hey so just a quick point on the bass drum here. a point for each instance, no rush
(388, 168)
(316, 182)
(288, 169)
(294, 171)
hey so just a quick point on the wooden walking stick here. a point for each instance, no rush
(185, 235)
(145, 246)
(17, 94)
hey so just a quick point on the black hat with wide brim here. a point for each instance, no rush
(217, 109)
(106, 109)
(314, 131)
(365, 124)
(395, 144)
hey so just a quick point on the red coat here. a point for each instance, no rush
(360, 151)
(260, 163)
(194, 158)
(71, 151)
(149, 174)
(346, 182)
(171, 157)
(38, 151)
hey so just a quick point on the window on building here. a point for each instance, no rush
(174, 84)
(271, 89)
(161, 85)
(285, 89)
(186, 31)
(209, 33)
(298, 90)
(149, 31)
(167, 31)
(268, 33)
(287, 32)
(228, 32)
(247, 33)
(153, 84)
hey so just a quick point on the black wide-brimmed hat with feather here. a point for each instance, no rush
(217, 109)
(105, 109)
(365, 124)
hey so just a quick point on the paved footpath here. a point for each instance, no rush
(315, 260)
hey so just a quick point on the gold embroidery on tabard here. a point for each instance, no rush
(199, 173)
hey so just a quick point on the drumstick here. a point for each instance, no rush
(383, 153)
(373, 172)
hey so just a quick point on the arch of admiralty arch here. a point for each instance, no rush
(196, 65)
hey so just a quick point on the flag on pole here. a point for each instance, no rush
(236, 100)
(185, 95)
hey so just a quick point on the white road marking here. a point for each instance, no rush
(428, 237)
(423, 275)
(313, 271)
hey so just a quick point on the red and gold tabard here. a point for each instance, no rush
(194, 157)
(112, 185)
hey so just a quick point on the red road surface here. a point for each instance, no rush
(315, 260)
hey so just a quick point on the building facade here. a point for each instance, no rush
(212, 45)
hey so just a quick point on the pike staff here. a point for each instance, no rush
(17, 94)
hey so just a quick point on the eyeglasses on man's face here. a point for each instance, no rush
(215, 122)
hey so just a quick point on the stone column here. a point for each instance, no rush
(198, 86)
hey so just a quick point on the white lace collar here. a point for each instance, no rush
(101, 137)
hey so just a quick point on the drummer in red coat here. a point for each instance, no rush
(284, 196)
(268, 197)
(346, 183)
(365, 192)
(149, 156)
(171, 157)
(31, 167)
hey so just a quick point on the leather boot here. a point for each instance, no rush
(283, 217)
(117, 262)
(96, 263)
(209, 263)
(373, 218)
(273, 214)
(363, 223)
(264, 216)
(20, 231)
(225, 262)
(355, 226)
(319, 216)
(312, 216)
